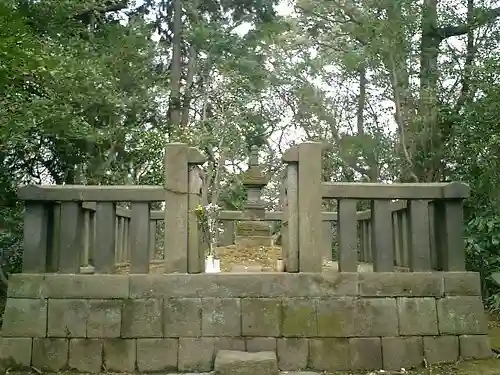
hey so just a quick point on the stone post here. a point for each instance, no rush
(254, 232)
(306, 215)
(178, 159)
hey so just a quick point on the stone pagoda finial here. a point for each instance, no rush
(254, 157)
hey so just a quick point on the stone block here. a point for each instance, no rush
(376, 317)
(336, 317)
(154, 355)
(461, 315)
(119, 355)
(24, 285)
(329, 354)
(15, 352)
(142, 318)
(230, 285)
(105, 318)
(221, 317)
(365, 353)
(261, 317)
(261, 344)
(229, 343)
(475, 347)
(230, 362)
(50, 354)
(462, 284)
(182, 317)
(252, 241)
(326, 284)
(25, 317)
(196, 354)
(85, 355)
(402, 352)
(292, 353)
(87, 286)
(390, 284)
(299, 317)
(417, 316)
(440, 349)
(67, 318)
(242, 268)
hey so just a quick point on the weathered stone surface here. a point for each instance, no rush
(402, 352)
(462, 284)
(85, 355)
(67, 318)
(105, 318)
(376, 317)
(292, 353)
(86, 286)
(388, 284)
(475, 347)
(25, 318)
(182, 317)
(231, 285)
(221, 317)
(24, 285)
(329, 354)
(15, 352)
(461, 315)
(261, 316)
(142, 318)
(253, 241)
(119, 355)
(324, 284)
(196, 354)
(261, 344)
(229, 343)
(242, 268)
(365, 353)
(299, 317)
(440, 349)
(336, 317)
(417, 316)
(158, 355)
(50, 354)
(230, 362)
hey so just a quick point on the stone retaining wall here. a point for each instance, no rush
(330, 321)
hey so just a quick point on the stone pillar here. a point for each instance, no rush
(254, 232)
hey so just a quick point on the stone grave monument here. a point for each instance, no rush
(254, 232)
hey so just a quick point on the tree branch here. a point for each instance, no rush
(482, 18)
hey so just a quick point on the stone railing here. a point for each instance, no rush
(423, 206)
(65, 227)
(72, 229)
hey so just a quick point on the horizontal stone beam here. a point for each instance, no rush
(121, 212)
(357, 190)
(97, 193)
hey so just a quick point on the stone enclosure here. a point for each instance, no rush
(70, 310)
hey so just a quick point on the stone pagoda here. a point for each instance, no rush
(254, 232)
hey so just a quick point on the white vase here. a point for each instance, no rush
(216, 265)
(280, 266)
(209, 264)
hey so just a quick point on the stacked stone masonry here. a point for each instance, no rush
(178, 322)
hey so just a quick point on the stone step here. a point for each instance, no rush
(233, 362)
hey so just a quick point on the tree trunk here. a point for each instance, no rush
(175, 73)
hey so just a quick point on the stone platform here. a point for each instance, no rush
(178, 323)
